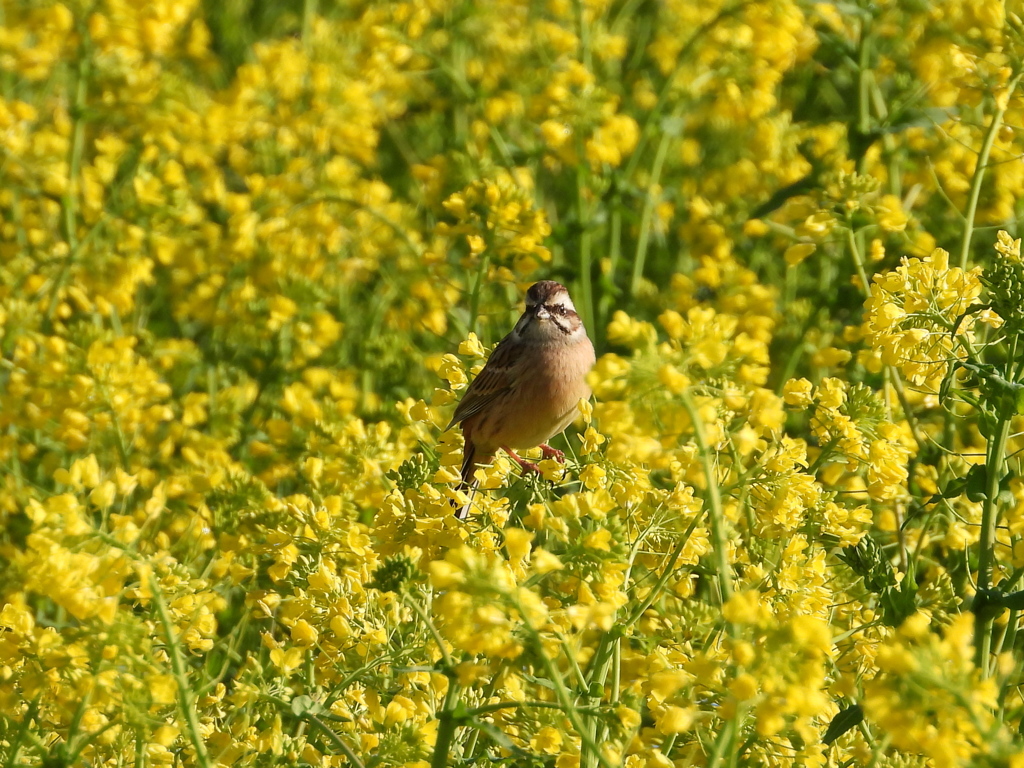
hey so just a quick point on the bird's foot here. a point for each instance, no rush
(528, 466)
(552, 453)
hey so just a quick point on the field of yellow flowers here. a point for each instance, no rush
(252, 252)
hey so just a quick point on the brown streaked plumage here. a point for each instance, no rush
(530, 387)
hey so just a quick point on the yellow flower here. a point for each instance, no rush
(547, 741)
(471, 347)
(673, 720)
(890, 214)
(303, 633)
(545, 562)
(887, 469)
(628, 332)
(591, 441)
(797, 252)
(555, 133)
(797, 392)
(163, 689)
(593, 477)
(745, 608)
(744, 687)
(613, 141)
(286, 660)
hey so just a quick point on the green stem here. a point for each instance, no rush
(69, 200)
(584, 34)
(888, 140)
(474, 299)
(23, 730)
(986, 555)
(894, 375)
(1008, 637)
(185, 694)
(335, 739)
(445, 718)
(488, 708)
(666, 574)
(608, 645)
(716, 516)
(422, 613)
(309, 9)
(858, 261)
(565, 700)
(445, 728)
(666, 88)
(615, 242)
(725, 737)
(645, 221)
(586, 249)
(863, 86)
(609, 650)
(979, 173)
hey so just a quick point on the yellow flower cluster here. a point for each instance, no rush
(925, 719)
(916, 316)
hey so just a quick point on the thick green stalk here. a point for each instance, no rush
(994, 460)
(726, 737)
(445, 728)
(446, 723)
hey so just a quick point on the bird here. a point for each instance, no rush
(531, 386)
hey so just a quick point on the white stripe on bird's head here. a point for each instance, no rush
(550, 293)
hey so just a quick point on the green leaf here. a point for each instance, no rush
(976, 482)
(1005, 492)
(672, 126)
(953, 488)
(947, 381)
(900, 602)
(1014, 601)
(461, 713)
(303, 706)
(845, 720)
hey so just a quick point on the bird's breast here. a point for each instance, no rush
(558, 383)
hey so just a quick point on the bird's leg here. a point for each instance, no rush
(528, 466)
(552, 453)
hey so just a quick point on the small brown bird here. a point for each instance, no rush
(531, 386)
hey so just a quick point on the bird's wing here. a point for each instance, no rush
(492, 382)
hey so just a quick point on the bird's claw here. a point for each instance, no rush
(528, 466)
(548, 452)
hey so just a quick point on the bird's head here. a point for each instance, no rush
(550, 314)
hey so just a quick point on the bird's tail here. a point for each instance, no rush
(469, 484)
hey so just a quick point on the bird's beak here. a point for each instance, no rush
(541, 313)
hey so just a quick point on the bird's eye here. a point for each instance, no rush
(556, 309)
